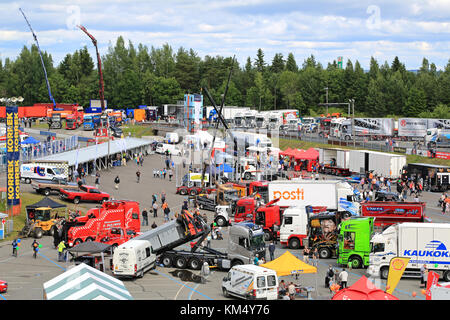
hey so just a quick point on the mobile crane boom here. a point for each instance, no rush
(99, 67)
(42, 60)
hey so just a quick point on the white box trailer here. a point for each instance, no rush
(424, 243)
(341, 156)
(381, 163)
(333, 194)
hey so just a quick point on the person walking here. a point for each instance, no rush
(138, 176)
(423, 276)
(155, 210)
(35, 246)
(14, 244)
(145, 217)
(271, 250)
(291, 290)
(343, 277)
(315, 257)
(97, 179)
(142, 161)
(256, 260)
(117, 182)
(306, 252)
(166, 212)
(164, 173)
(170, 174)
(61, 248)
(329, 276)
(163, 196)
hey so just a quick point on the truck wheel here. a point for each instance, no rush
(166, 261)
(77, 242)
(294, 243)
(52, 231)
(221, 222)
(28, 180)
(104, 200)
(89, 239)
(236, 263)
(225, 293)
(47, 192)
(180, 262)
(355, 261)
(38, 233)
(247, 176)
(193, 192)
(183, 192)
(76, 200)
(384, 272)
(324, 253)
(267, 235)
(446, 276)
(194, 264)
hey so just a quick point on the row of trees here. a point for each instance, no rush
(155, 76)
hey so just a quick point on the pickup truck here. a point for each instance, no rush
(85, 193)
(47, 187)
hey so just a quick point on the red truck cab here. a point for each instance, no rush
(387, 213)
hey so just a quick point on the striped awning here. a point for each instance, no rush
(83, 282)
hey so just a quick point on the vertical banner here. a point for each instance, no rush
(432, 280)
(396, 268)
(12, 156)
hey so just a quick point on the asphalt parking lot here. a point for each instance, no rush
(26, 275)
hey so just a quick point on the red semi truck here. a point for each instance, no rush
(269, 216)
(75, 119)
(115, 222)
(387, 213)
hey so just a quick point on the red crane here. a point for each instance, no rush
(99, 67)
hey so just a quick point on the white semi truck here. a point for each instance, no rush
(335, 195)
(424, 243)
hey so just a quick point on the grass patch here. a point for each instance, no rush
(410, 158)
(29, 198)
(137, 130)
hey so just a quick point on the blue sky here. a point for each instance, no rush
(355, 30)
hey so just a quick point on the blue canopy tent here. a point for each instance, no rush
(30, 140)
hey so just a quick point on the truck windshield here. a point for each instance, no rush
(257, 241)
(376, 247)
(58, 171)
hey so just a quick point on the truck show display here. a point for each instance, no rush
(138, 172)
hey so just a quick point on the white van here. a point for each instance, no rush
(172, 138)
(161, 148)
(249, 281)
(42, 171)
(133, 258)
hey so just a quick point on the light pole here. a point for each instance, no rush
(326, 90)
(352, 102)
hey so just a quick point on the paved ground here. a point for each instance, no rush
(26, 275)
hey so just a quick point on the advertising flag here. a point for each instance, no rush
(12, 156)
(396, 269)
(432, 280)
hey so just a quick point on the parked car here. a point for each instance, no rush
(3, 286)
(85, 193)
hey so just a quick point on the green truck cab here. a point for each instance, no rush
(354, 241)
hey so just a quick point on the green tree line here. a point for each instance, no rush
(154, 76)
